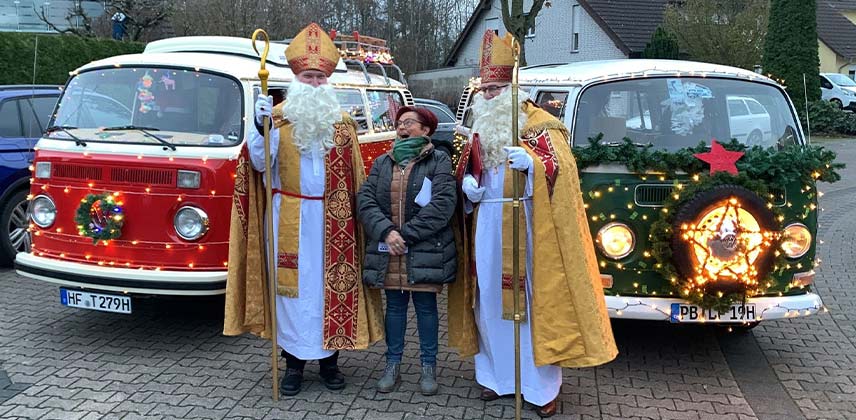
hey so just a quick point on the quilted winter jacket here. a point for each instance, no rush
(427, 232)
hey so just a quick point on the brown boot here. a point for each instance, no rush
(488, 394)
(547, 410)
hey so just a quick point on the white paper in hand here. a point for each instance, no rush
(424, 196)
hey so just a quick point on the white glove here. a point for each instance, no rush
(518, 159)
(471, 189)
(264, 108)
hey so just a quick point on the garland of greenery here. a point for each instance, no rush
(776, 167)
(758, 170)
(83, 218)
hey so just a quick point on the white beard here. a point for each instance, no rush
(312, 111)
(493, 124)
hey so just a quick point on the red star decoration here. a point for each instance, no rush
(720, 159)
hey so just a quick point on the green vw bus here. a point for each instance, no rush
(698, 182)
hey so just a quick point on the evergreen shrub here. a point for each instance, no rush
(57, 56)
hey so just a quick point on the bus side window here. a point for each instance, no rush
(278, 94)
(553, 102)
(351, 101)
(384, 104)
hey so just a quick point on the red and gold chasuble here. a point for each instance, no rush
(351, 313)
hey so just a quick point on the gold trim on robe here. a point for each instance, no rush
(569, 322)
(352, 316)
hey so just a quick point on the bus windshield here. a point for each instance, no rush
(674, 113)
(183, 107)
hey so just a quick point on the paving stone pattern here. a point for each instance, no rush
(169, 360)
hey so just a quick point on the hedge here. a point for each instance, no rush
(57, 56)
(827, 118)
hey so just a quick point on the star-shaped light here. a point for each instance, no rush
(720, 159)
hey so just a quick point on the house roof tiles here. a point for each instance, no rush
(629, 23)
(835, 30)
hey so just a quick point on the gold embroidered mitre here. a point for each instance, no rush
(497, 58)
(312, 49)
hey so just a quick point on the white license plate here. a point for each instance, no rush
(95, 301)
(682, 312)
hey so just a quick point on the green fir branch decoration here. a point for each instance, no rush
(759, 170)
(777, 167)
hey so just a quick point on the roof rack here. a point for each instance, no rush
(366, 67)
(362, 50)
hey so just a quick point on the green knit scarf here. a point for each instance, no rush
(406, 149)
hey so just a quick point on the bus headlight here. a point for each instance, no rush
(796, 240)
(43, 211)
(191, 223)
(616, 240)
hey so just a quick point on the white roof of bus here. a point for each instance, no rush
(586, 72)
(229, 55)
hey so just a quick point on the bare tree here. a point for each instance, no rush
(142, 17)
(518, 23)
(419, 32)
(75, 15)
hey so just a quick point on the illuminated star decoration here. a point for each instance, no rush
(727, 242)
(720, 159)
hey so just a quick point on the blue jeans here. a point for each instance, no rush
(427, 322)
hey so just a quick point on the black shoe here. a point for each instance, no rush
(332, 378)
(291, 382)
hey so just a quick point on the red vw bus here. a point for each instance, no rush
(132, 185)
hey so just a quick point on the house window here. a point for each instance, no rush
(531, 31)
(492, 24)
(575, 28)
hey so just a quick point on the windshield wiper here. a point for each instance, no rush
(64, 129)
(145, 130)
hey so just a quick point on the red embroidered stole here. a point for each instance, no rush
(341, 256)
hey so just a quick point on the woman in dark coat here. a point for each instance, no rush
(405, 206)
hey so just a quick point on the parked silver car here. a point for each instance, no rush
(445, 116)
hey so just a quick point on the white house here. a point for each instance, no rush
(567, 31)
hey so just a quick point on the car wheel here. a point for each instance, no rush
(755, 138)
(15, 237)
(837, 103)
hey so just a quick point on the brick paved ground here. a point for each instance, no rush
(168, 360)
